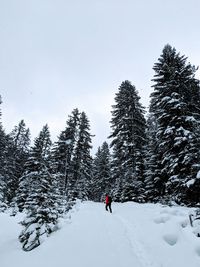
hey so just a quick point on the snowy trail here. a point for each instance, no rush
(94, 237)
(97, 239)
(135, 235)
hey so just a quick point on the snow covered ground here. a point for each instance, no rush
(134, 235)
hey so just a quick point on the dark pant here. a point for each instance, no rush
(109, 206)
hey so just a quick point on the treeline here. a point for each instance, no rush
(150, 159)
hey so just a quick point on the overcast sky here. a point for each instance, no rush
(56, 55)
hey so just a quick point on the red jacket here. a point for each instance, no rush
(107, 200)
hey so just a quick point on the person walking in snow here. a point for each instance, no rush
(108, 203)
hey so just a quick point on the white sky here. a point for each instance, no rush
(56, 55)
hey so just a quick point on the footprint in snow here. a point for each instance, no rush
(170, 239)
(162, 219)
(197, 250)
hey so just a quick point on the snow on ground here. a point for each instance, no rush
(134, 235)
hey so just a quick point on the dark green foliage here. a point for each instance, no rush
(37, 194)
(128, 141)
(175, 105)
(18, 152)
(2, 163)
(101, 183)
(62, 156)
(82, 161)
(64, 149)
(3, 205)
(41, 210)
(37, 160)
(7, 175)
(71, 160)
(153, 182)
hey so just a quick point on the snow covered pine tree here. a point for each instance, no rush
(175, 104)
(101, 182)
(129, 138)
(82, 161)
(37, 186)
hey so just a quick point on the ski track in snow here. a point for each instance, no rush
(123, 239)
(120, 244)
(131, 233)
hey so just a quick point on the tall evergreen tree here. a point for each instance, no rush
(18, 151)
(82, 161)
(21, 142)
(5, 170)
(2, 166)
(63, 151)
(2, 149)
(175, 105)
(37, 160)
(101, 183)
(40, 201)
(153, 183)
(128, 134)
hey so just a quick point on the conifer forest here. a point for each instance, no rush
(150, 156)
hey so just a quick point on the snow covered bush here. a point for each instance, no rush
(42, 211)
(38, 222)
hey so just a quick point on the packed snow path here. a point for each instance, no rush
(134, 235)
